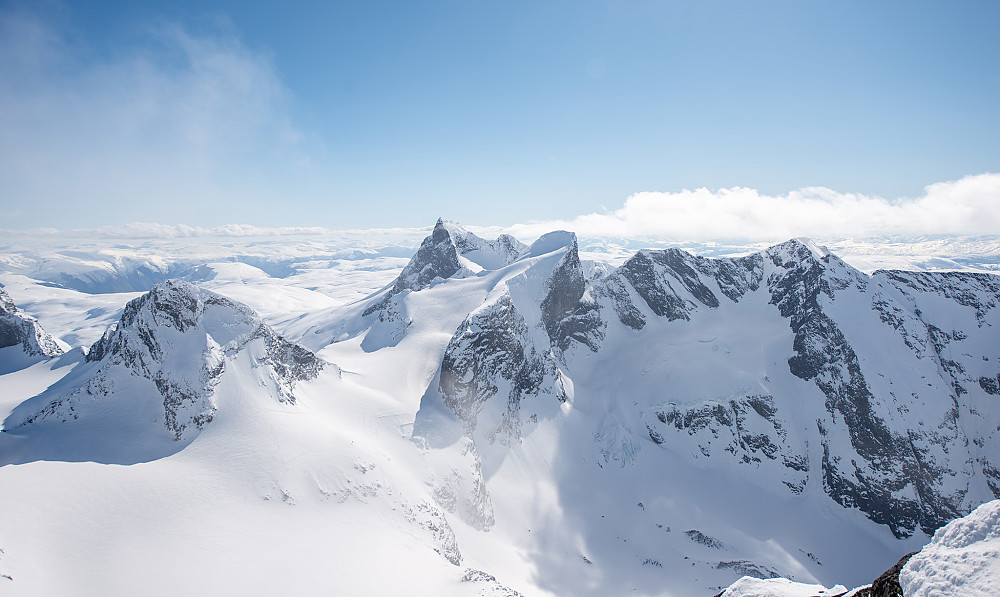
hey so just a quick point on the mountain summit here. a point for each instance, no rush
(156, 370)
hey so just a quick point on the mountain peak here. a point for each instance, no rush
(171, 308)
(817, 250)
(798, 249)
(448, 251)
(173, 345)
(436, 258)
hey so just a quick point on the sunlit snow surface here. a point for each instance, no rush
(778, 587)
(331, 495)
(963, 558)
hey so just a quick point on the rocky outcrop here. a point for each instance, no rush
(436, 260)
(19, 328)
(569, 316)
(887, 585)
(746, 430)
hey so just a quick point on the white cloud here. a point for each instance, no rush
(970, 205)
(181, 120)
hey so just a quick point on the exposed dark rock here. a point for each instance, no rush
(614, 288)
(748, 568)
(725, 427)
(887, 585)
(990, 385)
(641, 272)
(494, 346)
(490, 587)
(434, 522)
(699, 537)
(565, 314)
(823, 355)
(436, 258)
(16, 327)
(898, 476)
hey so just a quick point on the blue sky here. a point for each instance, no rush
(362, 114)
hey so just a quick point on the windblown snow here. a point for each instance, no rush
(963, 558)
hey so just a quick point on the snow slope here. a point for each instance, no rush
(963, 558)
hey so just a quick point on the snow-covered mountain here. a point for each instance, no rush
(150, 380)
(510, 418)
(878, 389)
(786, 369)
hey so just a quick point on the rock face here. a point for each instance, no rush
(568, 315)
(18, 328)
(179, 339)
(748, 430)
(437, 258)
(887, 585)
(494, 347)
(880, 396)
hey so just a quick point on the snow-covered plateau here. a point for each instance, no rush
(428, 412)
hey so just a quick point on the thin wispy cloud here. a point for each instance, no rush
(970, 205)
(183, 119)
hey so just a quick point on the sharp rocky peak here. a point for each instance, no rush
(448, 252)
(437, 258)
(180, 337)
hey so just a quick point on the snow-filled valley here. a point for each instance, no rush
(426, 412)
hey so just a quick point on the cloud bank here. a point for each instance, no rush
(970, 205)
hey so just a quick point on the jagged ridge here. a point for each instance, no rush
(179, 337)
